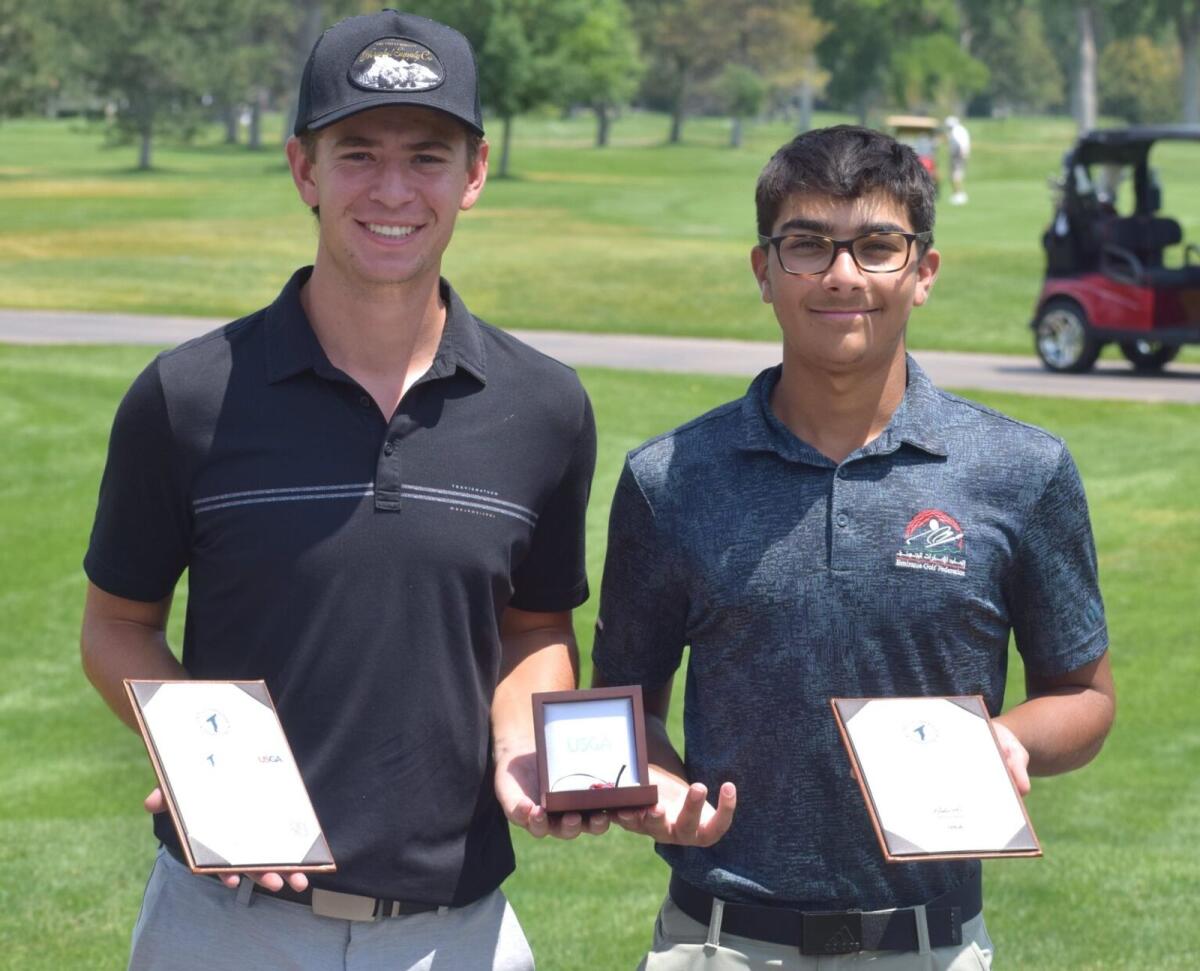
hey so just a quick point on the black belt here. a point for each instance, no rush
(348, 906)
(840, 932)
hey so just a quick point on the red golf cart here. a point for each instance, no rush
(1107, 277)
(919, 133)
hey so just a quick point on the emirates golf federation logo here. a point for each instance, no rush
(933, 540)
(397, 64)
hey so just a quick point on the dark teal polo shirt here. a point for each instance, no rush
(793, 579)
(359, 564)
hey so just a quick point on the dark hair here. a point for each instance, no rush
(845, 162)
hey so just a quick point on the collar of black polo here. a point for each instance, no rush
(292, 346)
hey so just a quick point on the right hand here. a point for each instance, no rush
(516, 790)
(682, 816)
(156, 803)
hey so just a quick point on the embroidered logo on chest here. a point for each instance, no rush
(933, 540)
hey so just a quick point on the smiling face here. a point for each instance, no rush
(389, 183)
(844, 319)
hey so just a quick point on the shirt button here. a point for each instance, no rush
(843, 520)
(389, 448)
(365, 400)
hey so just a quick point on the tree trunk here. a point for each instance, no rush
(808, 91)
(505, 144)
(257, 108)
(603, 124)
(675, 136)
(288, 114)
(966, 32)
(232, 112)
(735, 132)
(146, 132)
(314, 24)
(677, 109)
(1085, 108)
(1188, 26)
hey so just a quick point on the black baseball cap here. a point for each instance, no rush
(388, 58)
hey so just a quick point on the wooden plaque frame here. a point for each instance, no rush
(200, 857)
(896, 849)
(583, 800)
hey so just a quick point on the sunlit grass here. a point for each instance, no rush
(1119, 836)
(639, 237)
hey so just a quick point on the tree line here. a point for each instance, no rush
(157, 66)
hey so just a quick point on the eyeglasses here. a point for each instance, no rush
(872, 252)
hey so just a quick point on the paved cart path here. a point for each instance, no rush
(991, 372)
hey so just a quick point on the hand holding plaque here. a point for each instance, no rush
(228, 777)
(591, 749)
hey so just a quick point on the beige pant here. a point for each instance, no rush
(191, 923)
(679, 945)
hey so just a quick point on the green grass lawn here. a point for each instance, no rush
(639, 237)
(1113, 891)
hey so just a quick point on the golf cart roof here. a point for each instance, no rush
(1128, 146)
(911, 122)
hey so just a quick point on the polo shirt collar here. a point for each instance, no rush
(919, 419)
(461, 345)
(916, 422)
(292, 346)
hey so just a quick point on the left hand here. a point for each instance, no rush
(517, 792)
(1016, 756)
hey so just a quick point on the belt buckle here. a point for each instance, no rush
(342, 906)
(831, 933)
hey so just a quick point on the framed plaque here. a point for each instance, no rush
(228, 776)
(934, 778)
(591, 749)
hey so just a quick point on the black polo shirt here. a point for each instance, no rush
(360, 565)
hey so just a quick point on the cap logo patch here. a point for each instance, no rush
(397, 64)
(933, 540)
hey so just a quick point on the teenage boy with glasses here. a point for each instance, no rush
(844, 529)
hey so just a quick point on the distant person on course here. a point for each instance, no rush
(845, 529)
(958, 139)
(379, 502)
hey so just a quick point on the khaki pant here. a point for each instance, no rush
(679, 945)
(193, 923)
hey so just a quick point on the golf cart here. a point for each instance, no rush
(1107, 277)
(920, 134)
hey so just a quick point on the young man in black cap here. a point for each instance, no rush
(845, 529)
(379, 500)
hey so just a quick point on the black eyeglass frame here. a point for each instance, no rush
(848, 246)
